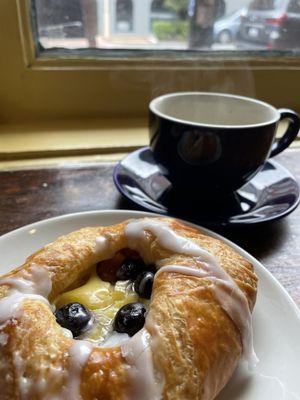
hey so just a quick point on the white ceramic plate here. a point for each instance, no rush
(276, 318)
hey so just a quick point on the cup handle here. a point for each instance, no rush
(291, 133)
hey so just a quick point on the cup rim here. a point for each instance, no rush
(153, 108)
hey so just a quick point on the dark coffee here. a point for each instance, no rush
(215, 143)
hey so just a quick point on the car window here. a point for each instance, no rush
(264, 5)
(294, 6)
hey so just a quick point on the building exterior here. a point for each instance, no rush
(98, 21)
(124, 17)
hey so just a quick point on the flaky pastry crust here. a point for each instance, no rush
(195, 347)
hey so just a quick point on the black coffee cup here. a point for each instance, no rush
(213, 143)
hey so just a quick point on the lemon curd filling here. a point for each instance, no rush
(103, 299)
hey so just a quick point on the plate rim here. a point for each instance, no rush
(256, 263)
(229, 223)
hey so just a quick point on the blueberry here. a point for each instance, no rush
(150, 268)
(129, 270)
(75, 317)
(143, 284)
(130, 318)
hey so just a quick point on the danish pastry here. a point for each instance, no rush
(147, 309)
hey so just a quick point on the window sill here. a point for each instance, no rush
(65, 143)
(71, 138)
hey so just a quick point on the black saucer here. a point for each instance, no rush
(271, 194)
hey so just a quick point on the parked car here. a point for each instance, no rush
(226, 29)
(275, 23)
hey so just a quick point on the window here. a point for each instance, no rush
(124, 16)
(294, 6)
(266, 5)
(201, 25)
(63, 68)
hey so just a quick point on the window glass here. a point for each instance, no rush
(124, 17)
(264, 5)
(294, 6)
(216, 25)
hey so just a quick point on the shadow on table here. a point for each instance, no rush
(259, 240)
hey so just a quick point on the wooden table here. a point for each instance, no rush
(31, 195)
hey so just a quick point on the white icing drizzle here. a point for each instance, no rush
(230, 296)
(78, 356)
(135, 232)
(138, 354)
(67, 333)
(36, 280)
(24, 383)
(3, 339)
(231, 299)
(21, 284)
(115, 339)
(101, 244)
(10, 306)
(33, 285)
(105, 247)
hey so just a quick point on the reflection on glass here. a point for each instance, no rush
(169, 24)
(124, 19)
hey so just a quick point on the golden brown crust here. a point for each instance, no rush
(195, 344)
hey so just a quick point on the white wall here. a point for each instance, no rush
(141, 17)
(233, 5)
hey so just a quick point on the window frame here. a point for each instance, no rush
(103, 59)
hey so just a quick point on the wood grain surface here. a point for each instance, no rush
(32, 195)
